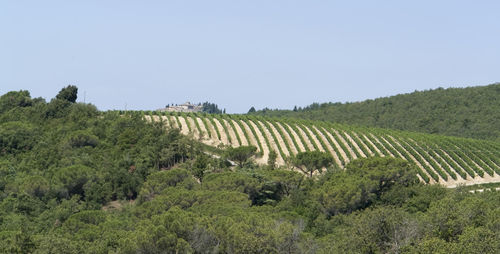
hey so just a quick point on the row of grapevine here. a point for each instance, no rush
(439, 159)
(338, 152)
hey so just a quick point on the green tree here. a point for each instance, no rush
(82, 139)
(362, 183)
(211, 108)
(240, 154)
(15, 99)
(72, 179)
(158, 181)
(68, 93)
(478, 241)
(271, 160)
(16, 137)
(431, 245)
(464, 112)
(309, 162)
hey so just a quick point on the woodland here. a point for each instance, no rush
(472, 112)
(74, 179)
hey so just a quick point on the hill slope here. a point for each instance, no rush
(465, 112)
(440, 159)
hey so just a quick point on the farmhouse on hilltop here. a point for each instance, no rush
(186, 107)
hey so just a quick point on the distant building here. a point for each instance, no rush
(186, 107)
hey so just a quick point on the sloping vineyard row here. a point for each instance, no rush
(439, 159)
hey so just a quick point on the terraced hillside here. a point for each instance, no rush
(445, 160)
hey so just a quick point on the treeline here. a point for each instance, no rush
(212, 108)
(465, 112)
(76, 180)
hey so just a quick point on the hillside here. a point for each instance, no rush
(446, 160)
(464, 112)
(74, 179)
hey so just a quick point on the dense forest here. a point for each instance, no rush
(74, 179)
(472, 112)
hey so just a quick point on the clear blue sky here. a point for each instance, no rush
(240, 54)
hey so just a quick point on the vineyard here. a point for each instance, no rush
(449, 161)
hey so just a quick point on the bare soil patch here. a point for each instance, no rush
(339, 148)
(328, 146)
(314, 139)
(223, 135)
(239, 131)
(260, 136)
(360, 151)
(300, 145)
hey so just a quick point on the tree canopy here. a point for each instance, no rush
(311, 161)
(465, 112)
(69, 93)
(240, 154)
(77, 180)
(211, 108)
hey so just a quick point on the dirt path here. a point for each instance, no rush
(363, 144)
(441, 180)
(368, 142)
(166, 123)
(241, 134)
(488, 165)
(431, 180)
(223, 135)
(306, 139)
(482, 190)
(346, 144)
(474, 161)
(300, 145)
(253, 140)
(450, 180)
(288, 139)
(494, 164)
(314, 138)
(274, 146)
(387, 150)
(451, 168)
(328, 146)
(420, 178)
(416, 152)
(280, 140)
(210, 127)
(379, 153)
(464, 162)
(184, 127)
(203, 128)
(232, 134)
(196, 133)
(468, 177)
(260, 136)
(173, 122)
(360, 151)
(159, 119)
(213, 141)
(339, 148)
(476, 180)
(398, 155)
